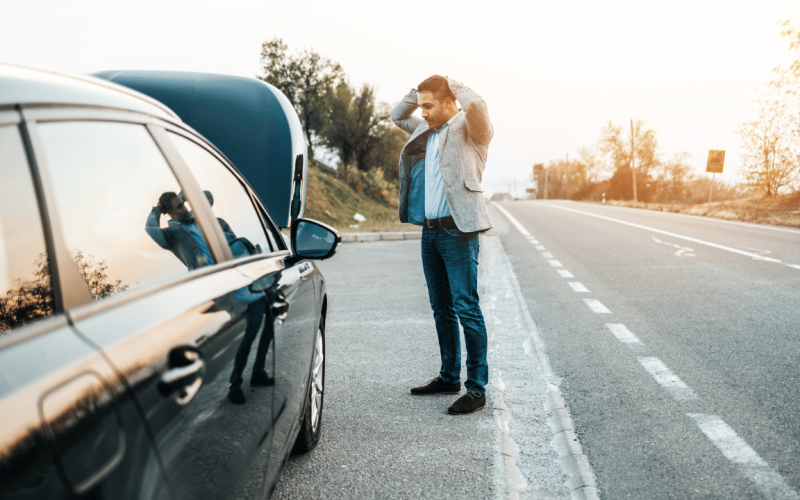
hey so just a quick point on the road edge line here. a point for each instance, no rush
(572, 460)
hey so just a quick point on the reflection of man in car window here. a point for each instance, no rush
(182, 236)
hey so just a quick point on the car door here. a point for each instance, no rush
(290, 292)
(68, 425)
(166, 301)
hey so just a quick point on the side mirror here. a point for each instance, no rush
(314, 240)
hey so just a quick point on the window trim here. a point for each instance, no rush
(68, 286)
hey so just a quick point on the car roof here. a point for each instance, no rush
(20, 85)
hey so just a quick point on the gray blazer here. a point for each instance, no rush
(464, 146)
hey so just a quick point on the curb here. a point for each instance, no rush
(364, 237)
(572, 460)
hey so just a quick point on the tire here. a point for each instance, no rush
(311, 425)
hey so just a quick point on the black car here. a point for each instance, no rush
(158, 338)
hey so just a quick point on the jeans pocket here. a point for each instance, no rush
(455, 233)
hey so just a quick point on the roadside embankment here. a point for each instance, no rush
(775, 210)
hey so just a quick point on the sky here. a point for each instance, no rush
(552, 73)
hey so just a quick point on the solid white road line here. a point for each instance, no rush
(622, 333)
(555, 263)
(597, 306)
(674, 235)
(667, 379)
(513, 220)
(769, 482)
(565, 274)
(578, 287)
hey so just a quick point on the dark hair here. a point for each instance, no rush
(165, 199)
(438, 86)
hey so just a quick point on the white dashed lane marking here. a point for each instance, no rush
(555, 263)
(623, 334)
(735, 449)
(597, 306)
(565, 274)
(547, 255)
(578, 287)
(540, 248)
(667, 379)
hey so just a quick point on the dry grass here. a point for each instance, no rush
(332, 201)
(776, 210)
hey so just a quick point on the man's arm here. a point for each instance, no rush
(153, 228)
(401, 114)
(475, 111)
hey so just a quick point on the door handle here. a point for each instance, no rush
(185, 374)
(280, 308)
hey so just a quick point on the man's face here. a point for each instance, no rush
(434, 112)
(177, 210)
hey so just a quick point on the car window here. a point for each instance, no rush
(229, 200)
(26, 291)
(120, 207)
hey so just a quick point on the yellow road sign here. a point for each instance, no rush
(715, 161)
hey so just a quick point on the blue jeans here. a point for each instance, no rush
(256, 320)
(450, 262)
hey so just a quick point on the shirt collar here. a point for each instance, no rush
(193, 221)
(448, 122)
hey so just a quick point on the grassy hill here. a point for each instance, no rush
(332, 201)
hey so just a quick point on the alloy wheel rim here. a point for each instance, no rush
(318, 379)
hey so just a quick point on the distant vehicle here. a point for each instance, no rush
(137, 265)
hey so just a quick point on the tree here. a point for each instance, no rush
(28, 301)
(354, 127)
(306, 78)
(673, 176)
(770, 144)
(94, 274)
(32, 300)
(615, 145)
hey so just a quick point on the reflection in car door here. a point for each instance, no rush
(206, 443)
(168, 319)
(294, 344)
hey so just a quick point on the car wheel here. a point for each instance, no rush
(311, 426)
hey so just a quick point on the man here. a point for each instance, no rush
(441, 167)
(184, 238)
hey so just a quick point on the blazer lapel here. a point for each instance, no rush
(443, 138)
(417, 133)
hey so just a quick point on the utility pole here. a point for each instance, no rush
(633, 165)
(567, 175)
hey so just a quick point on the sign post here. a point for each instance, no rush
(716, 159)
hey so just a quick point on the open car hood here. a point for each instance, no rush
(249, 120)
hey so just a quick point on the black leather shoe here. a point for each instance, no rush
(236, 395)
(437, 386)
(262, 379)
(468, 403)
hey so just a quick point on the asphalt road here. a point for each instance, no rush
(379, 441)
(676, 341)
